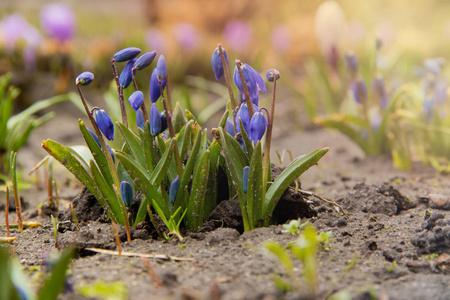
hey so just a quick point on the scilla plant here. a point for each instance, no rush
(169, 158)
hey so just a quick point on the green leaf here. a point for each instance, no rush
(195, 214)
(280, 253)
(82, 153)
(133, 143)
(223, 121)
(289, 175)
(142, 211)
(55, 283)
(248, 144)
(163, 165)
(211, 195)
(149, 150)
(178, 118)
(255, 187)
(185, 139)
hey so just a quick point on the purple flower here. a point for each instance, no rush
(14, 29)
(351, 62)
(229, 127)
(161, 68)
(359, 91)
(140, 119)
(281, 38)
(144, 60)
(155, 40)
(125, 76)
(272, 74)
(245, 178)
(244, 115)
(258, 126)
(84, 78)
(254, 81)
(126, 192)
(126, 54)
(155, 120)
(173, 189)
(58, 21)
(238, 35)
(216, 63)
(104, 123)
(187, 35)
(136, 99)
(155, 92)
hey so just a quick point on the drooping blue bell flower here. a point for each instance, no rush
(104, 123)
(245, 178)
(126, 192)
(126, 54)
(136, 99)
(155, 120)
(173, 189)
(155, 92)
(258, 126)
(140, 119)
(161, 68)
(272, 74)
(84, 78)
(254, 81)
(125, 76)
(216, 62)
(229, 127)
(245, 117)
(144, 60)
(359, 91)
(164, 124)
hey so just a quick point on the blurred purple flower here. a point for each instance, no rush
(155, 40)
(281, 38)
(187, 35)
(238, 35)
(15, 29)
(58, 21)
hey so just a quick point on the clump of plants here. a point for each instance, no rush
(170, 159)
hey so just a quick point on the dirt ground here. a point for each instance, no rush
(394, 244)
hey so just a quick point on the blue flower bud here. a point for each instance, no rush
(161, 68)
(140, 119)
(155, 92)
(136, 99)
(155, 120)
(258, 126)
(126, 191)
(351, 62)
(216, 62)
(229, 127)
(111, 152)
(104, 123)
(253, 79)
(245, 117)
(144, 60)
(273, 74)
(359, 90)
(164, 124)
(95, 137)
(84, 78)
(173, 189)
(126, 54)
(245, 178)
(125, 76)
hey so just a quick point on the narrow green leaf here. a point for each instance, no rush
(149, 150)
(142, 211)
(255, 186)
(133, 143)
(163, 165)
(223, 120)
(248, 144)
(211, 195)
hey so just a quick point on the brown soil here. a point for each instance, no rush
(394, 242)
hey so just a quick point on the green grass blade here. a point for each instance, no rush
(255, 186)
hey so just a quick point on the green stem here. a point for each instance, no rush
(120, 91)
(13, 171)
(226, 72)
(266, 159)
(143, 106)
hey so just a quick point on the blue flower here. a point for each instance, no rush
(216, 63)
(84, 78)
(155, 120)
(104, 123)
(273, 74)
(173, 189)
(126, 191)
(136, 99)
(144, 60)
(258, 126)
(254, 81)
(125, 77)
(95, 137)
(155, 92)
(245, 117)
(126, 54)
(359, 90)
(140, 119)
(229, 127)
(351, 62)
(245, 178)
(161, 68)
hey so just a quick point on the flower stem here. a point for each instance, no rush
(266, 159)
(120, 91)
(251, 111)
(7, 211)
(169, 98)
(143, 106)
(110, 161)
(171, 129)
(226, 72)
